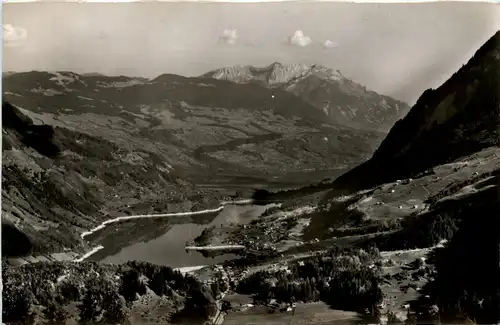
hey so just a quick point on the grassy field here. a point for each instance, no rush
(305, 314)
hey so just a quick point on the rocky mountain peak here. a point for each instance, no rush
(342, 100)
(275, 74)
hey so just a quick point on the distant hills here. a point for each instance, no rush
(199, 123)
(78, 148)
(342, 100)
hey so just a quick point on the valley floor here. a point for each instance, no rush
(299, 230)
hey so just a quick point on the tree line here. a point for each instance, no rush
(467, 280)
(104, 294)
(344, 278)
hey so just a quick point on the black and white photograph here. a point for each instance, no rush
(266, 163)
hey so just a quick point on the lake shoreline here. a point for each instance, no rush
(104, 224)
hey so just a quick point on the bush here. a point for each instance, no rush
(261, 195)
(69, 291)
(16, 304)
(115, 310)
(55, 314)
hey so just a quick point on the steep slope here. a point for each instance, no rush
(339, 98)
(467, 269)
(210, 130)
(454, 127)
(57, 183)
(459, 118)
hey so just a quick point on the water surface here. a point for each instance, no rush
(168, 249)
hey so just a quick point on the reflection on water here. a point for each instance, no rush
(168, 249)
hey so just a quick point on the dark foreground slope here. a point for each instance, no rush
(467, 279)
(57, 183)
(453, 124)
(459, 118)
(341, 100)
(91, 293)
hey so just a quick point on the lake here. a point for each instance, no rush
(167, 248)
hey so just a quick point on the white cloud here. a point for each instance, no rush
(328, 44)
(229, 36)
(299, 39)
(13, 36)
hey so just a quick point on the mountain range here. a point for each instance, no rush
(81, 145)
(195, 123)
(342, 100)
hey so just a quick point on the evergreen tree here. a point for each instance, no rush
(115, 310)
(16, 304)
(158, 284)
(131, 285)
(214, 286)
(55, 314)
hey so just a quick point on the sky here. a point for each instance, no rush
(395, 49)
